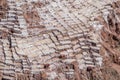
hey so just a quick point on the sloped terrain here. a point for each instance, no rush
(60, 40)
(3, 8)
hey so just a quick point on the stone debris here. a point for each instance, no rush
(58, 39)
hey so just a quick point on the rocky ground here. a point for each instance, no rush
(59, 40)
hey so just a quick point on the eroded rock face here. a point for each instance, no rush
(111, 34)
(60, 40)
(111, 37)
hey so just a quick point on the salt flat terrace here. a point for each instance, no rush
(60, 35)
